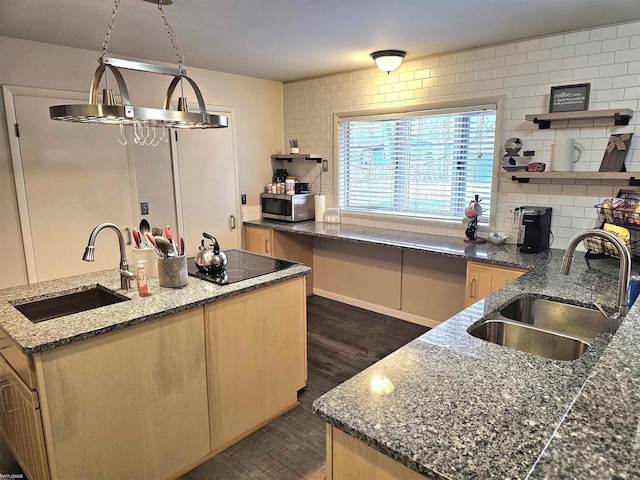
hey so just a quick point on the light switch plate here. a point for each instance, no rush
(144, 208)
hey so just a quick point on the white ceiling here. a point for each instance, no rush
(293, 39)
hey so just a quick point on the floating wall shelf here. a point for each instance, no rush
(525, 177)
(620, 116)
(289, 157)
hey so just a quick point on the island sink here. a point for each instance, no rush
(546, 328)
(67, 303)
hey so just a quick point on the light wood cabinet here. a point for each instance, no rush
(293, 247)
(259, 240)
(256, 359)
(349, 458)
(21, 424)
(484, 279)
(127, 404)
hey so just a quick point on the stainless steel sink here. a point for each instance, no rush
(558, 317)
(546, 328)
(529, 339)
(67, 303)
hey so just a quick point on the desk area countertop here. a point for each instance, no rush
(465, 408)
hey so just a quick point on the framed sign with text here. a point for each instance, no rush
(569, 98)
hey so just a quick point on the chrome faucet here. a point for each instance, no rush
(625, 264)
(125, 274)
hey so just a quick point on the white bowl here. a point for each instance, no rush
(497, 238)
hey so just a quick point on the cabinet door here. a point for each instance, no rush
(483, 280)
(21, 423)
(256, 354)
(127, 404)
(259, 240)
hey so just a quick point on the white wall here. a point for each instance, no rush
(258, 115)
(524, 72)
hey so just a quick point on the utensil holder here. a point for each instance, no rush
(172, 272)
(149, 256)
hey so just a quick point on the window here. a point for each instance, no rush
(423, 164)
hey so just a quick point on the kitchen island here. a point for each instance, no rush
(461, 407)
(152, 386)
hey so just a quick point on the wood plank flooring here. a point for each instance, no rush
(342, 341)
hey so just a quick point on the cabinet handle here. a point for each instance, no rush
(129, 239)
(3, 404)
(266, 246)
(232, 222)
(472, 282)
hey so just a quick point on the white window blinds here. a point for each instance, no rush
(426, 164)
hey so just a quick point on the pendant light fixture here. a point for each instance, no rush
(144, 120)
(388, 60)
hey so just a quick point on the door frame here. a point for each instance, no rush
(8, 94)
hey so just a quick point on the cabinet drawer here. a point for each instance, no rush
(21, 363)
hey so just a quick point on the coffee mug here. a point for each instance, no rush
(566, 151)
(473, 210)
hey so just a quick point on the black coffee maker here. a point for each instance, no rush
(535, 229)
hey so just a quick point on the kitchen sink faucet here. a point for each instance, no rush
(125, 274)
(625, 264)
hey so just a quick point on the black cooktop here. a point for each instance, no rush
(241, 265)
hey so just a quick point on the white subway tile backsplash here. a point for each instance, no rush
(607, 57)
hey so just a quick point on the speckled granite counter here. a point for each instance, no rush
(465, 408)
(423, 242)
(34, 337)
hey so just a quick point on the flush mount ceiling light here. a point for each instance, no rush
(388, 60)
(144, 120)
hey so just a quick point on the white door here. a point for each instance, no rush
(69, 178)
(207, 185)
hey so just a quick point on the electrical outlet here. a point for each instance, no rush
(325, 165)
(243, 198)
(144, 208)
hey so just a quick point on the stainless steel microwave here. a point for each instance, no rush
(290, 208)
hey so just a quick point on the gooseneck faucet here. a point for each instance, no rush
(125, 274)
(625, 263)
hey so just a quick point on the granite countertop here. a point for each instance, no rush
(505, 254)
(465, 408)
(35, 337)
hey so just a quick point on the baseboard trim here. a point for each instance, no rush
(391, 312)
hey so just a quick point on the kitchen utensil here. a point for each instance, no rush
(168, 236)
(210, 259)
(136, 236)
(164, 246)
(181, 246)
(157, 231)
(144, 227)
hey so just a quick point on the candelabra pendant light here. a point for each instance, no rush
(388, 60)
(144, 120)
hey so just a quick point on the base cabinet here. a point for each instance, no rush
(127, 404)
(259, 240)
(21, 423)
(294, 247)
(484, 279)
(256, 360)
(349, 458)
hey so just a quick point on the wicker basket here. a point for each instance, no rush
(622, 214)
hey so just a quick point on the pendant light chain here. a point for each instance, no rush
(172, 36)
(112, 21)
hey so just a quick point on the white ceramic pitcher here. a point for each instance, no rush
(566, 151)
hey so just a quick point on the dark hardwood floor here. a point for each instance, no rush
(342, 341)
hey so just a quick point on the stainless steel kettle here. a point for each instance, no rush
(210, 259)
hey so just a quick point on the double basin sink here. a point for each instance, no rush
(546, 328)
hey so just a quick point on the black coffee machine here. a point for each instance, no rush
(535, 229)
